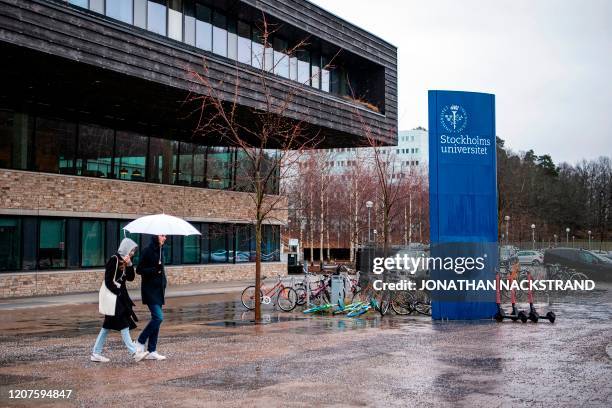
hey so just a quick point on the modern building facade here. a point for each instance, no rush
(411, 153)
(95, 131)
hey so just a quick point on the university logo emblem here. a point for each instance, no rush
(453, 118)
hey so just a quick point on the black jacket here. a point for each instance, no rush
(151, 268)
(124, 315)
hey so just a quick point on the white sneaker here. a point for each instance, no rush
(98, 358)
(139, 347)
(155, 356)
(139, 355)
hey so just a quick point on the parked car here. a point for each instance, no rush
(530, 257)
(605, 254)
(580, 260)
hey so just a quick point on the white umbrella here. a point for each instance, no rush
(161, 224)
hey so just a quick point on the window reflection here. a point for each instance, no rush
(190, 22)
(54, 144)
(243, 242)
(92, 243)
(95, 151)
(97, 6)
(175, 19)
(303, 67)
(257, 48)
(203, 27)
(52, 243)
(10, 244)
(120, 10)
(162, 160)
(218, 173)
(131, 152)
(140, 13)
(218, 243)
(281, 59)
(219, 34)
(80, 3)
(315, 73)
(232, 39)
(156, 16)
(244, 42)
(14, 134)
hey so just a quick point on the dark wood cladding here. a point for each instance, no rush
(85, 37)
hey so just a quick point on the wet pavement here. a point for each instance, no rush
(217, 357)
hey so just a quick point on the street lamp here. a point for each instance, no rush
(573, 237)
(507, 218)
(369, 205)
(589, 232)
(555, 236)
(533, 235)
(567, 230)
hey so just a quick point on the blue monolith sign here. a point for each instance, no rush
(463, 198)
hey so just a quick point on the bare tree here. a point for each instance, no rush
(268, 137)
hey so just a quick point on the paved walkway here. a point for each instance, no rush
(209, 288)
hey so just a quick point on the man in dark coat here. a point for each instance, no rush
(151, 269)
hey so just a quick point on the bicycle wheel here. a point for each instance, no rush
(383, 299)
(422, 303)
(301, 295)
(402, 303)
(286, 299)
(248, 297)
(360, 296)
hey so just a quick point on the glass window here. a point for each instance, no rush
(243, 242)
(156, 16)
(218, 168)
(167, 250)
(190, 22)
(244, 172)
(52, 244)
(10, 244)
(92, 243)
(232, 39)
(14, 135)
(218, 243)
(203, 27)
(271, 166)
(198, 177)
(269, 56)
(55, 146)
(130, 156)
(80, 3)
(162, 160)
(140, 13)
(244, 42)
(257, 48)
(325, 75)
(281, 59)
(304, 67)
(175, 19)
(95, 151)
(191, 248)
(185, 174)
(219, 34)
(315, 80)
(293, 68)
(97, 6)
(120, 10)
(205, 244)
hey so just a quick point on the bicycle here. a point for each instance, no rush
(286, 297)
(320, 294)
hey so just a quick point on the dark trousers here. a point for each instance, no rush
(151, 332)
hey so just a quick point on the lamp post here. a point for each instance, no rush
(533, 236)
(567, 230)
(555, 236)
(589, 232)
(369, 205)
(573, 237)
(507, 218)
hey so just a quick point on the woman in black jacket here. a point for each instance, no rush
(119, 269)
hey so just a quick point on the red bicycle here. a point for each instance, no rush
(285, 296)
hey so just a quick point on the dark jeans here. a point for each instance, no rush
(151, 332)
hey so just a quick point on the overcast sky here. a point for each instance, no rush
(549, 63)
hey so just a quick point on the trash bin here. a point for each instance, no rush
(337, 289)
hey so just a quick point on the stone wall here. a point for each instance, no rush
(30, 193)
(61, 282)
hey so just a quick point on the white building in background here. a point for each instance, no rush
(412, 151)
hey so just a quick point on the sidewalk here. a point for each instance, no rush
(209, 288)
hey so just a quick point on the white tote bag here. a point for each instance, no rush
(107, 300)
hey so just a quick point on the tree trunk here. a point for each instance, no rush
(258, 228)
